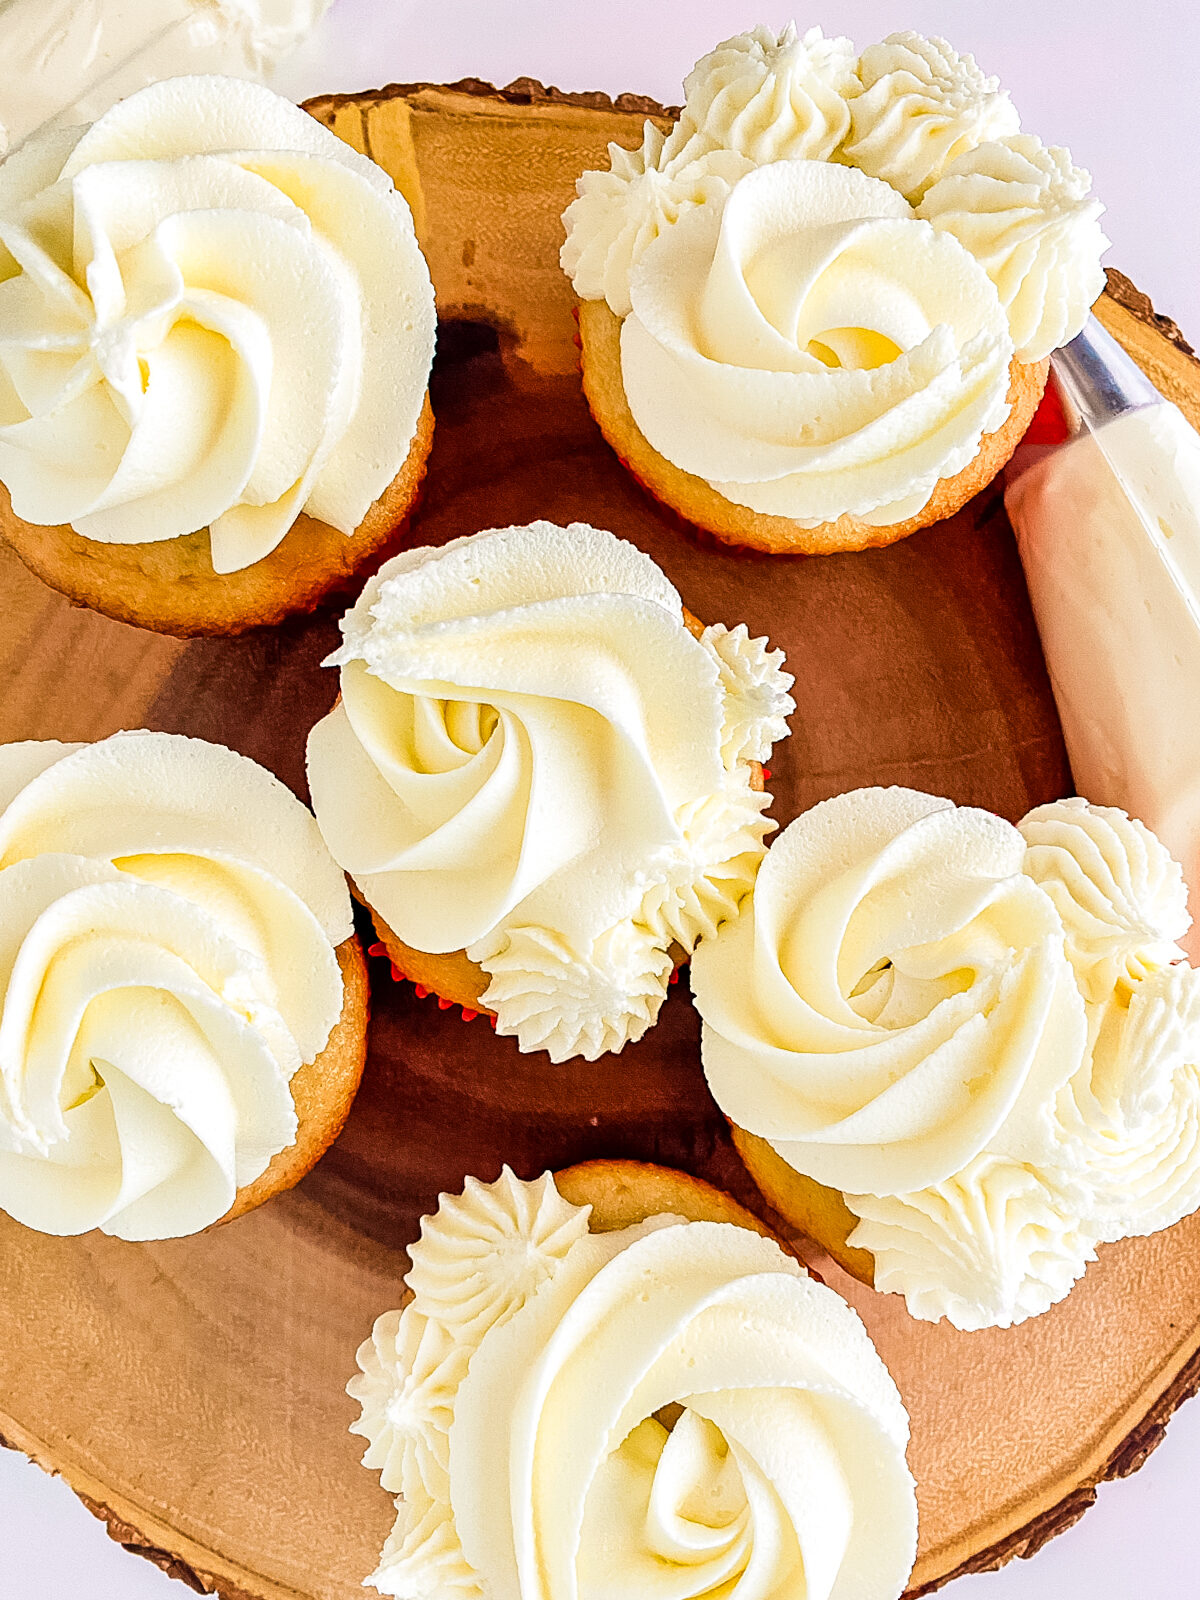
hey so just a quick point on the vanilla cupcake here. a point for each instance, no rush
(816, 315)
(183, 1022)
(612, 1383)
(216, 330)
(961, 1054)
(543, 777)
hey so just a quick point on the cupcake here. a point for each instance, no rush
(613, 1383)
(216, 329)
(817, 314)
(183, 1022)
(543, 777)
(961, 1054)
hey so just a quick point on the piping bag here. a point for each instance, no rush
(1104, 497)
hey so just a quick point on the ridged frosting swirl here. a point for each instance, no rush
(897, 997)
(922, 105)
(618, 212)
(997, 1243)
(215, 315)
(810, 348)
(1026, 214)
(773, 96)
(168, 923)
(534, 760)
(669, 1410)
(1117, 888)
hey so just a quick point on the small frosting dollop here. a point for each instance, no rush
(216, 316)
(535, 761)
(666, 1411)
(168, 924)
(1002, 1012)
(773, 97)
(1131, 1120)
(895, 999)
(618, 212)
(1028, 217)
(922, 105)
(810, 348)
(996, 1243)
(1117, 888)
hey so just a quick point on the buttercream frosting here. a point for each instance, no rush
(1026, 214)
(167, 962)
(535, 761)
(773, 96)
(1117, 888)
(668, 1410)
(618, 212)
(921, 105)
(783, 339)
(896, 999)
(811, 348)
(67, 61)
(997, 1243)
(216, 315)
(1002, 1012)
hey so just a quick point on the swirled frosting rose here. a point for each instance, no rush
(898, 998)
(922, 104)
(1026, 214)
(533, 760)
(813, 349)
(168, 924)
(215, 314)
(984, 1036)
(534, 1447)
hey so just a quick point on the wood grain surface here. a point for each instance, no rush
(192, 1390)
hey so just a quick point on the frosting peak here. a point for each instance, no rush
(534, 760)
(218, 316)
(922, 104)
(773, 97)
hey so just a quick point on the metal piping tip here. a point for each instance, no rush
(1097, 381)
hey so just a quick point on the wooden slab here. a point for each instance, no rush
(192, 1391)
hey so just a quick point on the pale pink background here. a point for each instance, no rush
(1115, 82)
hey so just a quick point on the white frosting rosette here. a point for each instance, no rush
(215, 314)
(922, 104)
(534, 761)
(621, 211)
(812, 349)
(773, 97)
(984, 1036)
(1026, 214)
(168, 924)
(670, 1410)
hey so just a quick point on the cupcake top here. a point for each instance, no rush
(670, 1408)
(535, 761)
(168, 924)
(984, 1036)
(216, 316)
(783, 338)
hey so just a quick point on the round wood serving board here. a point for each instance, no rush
(192, 1391)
